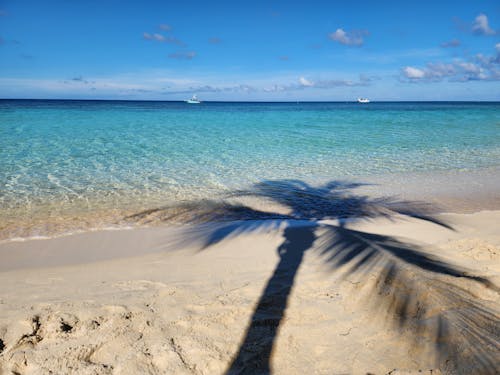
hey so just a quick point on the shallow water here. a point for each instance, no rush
(76, 162)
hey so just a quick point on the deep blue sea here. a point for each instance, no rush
(69, 160)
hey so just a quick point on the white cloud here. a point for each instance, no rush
(413, 73)
(439, 70)
(305, 82)
(490, 64)
(159, 37)
(351, 38)
(469, 67)
(340, 36)
(431, 73)
(481, 26)
(162, 39)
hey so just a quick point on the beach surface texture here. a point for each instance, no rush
(393, 292)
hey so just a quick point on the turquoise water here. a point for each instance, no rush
(71, 157)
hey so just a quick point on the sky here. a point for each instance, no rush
(250, 50)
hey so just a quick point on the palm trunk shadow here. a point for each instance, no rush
(255, 352)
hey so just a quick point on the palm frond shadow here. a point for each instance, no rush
(419, 293)
(414, 290)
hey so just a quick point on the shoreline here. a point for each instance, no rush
(86, 247)
(454, 191)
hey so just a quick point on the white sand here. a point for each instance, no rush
(125, 302)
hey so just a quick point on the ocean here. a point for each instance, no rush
(66, 165)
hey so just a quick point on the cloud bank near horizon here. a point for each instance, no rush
(477, 68)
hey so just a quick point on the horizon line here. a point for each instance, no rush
(254, 101)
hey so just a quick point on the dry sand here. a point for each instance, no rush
(148, 301)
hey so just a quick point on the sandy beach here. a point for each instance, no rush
(397, 293)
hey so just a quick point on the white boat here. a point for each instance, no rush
(193, 100)
(363, 100)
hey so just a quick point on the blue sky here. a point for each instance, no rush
(260, 50)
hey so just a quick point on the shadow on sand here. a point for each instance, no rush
(415, 290)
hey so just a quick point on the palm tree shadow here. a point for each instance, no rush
(414, 290)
